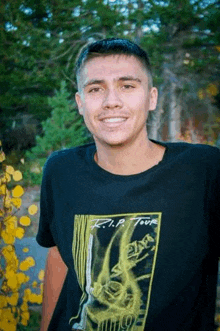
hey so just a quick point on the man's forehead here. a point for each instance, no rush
(112, 65)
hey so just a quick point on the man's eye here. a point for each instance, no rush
(94, 90)
(128, 87)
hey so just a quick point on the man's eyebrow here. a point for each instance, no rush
(124, 78)
(93, 81)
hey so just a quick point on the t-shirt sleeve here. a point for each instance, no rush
(44, 235)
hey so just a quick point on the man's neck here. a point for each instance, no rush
(129, 160)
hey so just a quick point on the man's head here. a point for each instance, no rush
(112, 46)
(115, 91)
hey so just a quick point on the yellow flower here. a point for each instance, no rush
(19, 233)
(16, 202)
(25, 220)
(25, 249)
(32, 209)
(17, 175)
(10, 170)
(41, 275)
(18, 191)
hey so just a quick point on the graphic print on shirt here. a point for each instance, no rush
(114, 259)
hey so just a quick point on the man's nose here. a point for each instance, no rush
(112, 99)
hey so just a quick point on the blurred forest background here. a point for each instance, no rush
(41, 38)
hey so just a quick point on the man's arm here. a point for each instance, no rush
(55, 273)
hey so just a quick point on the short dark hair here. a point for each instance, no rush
(112, 46)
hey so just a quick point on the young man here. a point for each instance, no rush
(133, 223)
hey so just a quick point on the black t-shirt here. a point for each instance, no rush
(141, 250)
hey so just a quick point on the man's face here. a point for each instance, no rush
(114, 99)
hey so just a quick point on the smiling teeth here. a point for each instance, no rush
(114, 119)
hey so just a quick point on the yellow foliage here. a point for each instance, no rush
(13, 299)
(32, 209)
(27, 263)
(27, 293)
(16, 202)
(13, 282)
(2, 156)
(30, 260)
(25, 249)
(41, 275)
(22, 278)
(3, 301)
(25, 220)
(8, 238)
(19, 233)
(6, 178)
(25, 315)
(18, 191)
(17, 175)
(11, 224)
(24, 306)
(3, 189)
(10, 170)
(212, 89)
(8, 204)
(201, 94)
(34, 284)
(11, 311)
(7, 321)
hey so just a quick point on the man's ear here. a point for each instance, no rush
(153, 98)
(79, 103)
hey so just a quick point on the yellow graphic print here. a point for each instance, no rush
(114, 259)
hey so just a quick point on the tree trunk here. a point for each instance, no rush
(155, 123)
(174, 121)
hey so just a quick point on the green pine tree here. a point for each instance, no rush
(64, 129)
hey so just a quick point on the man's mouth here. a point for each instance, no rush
(114, 119)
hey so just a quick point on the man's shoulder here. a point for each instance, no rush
(195, 152)
(62, 158)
